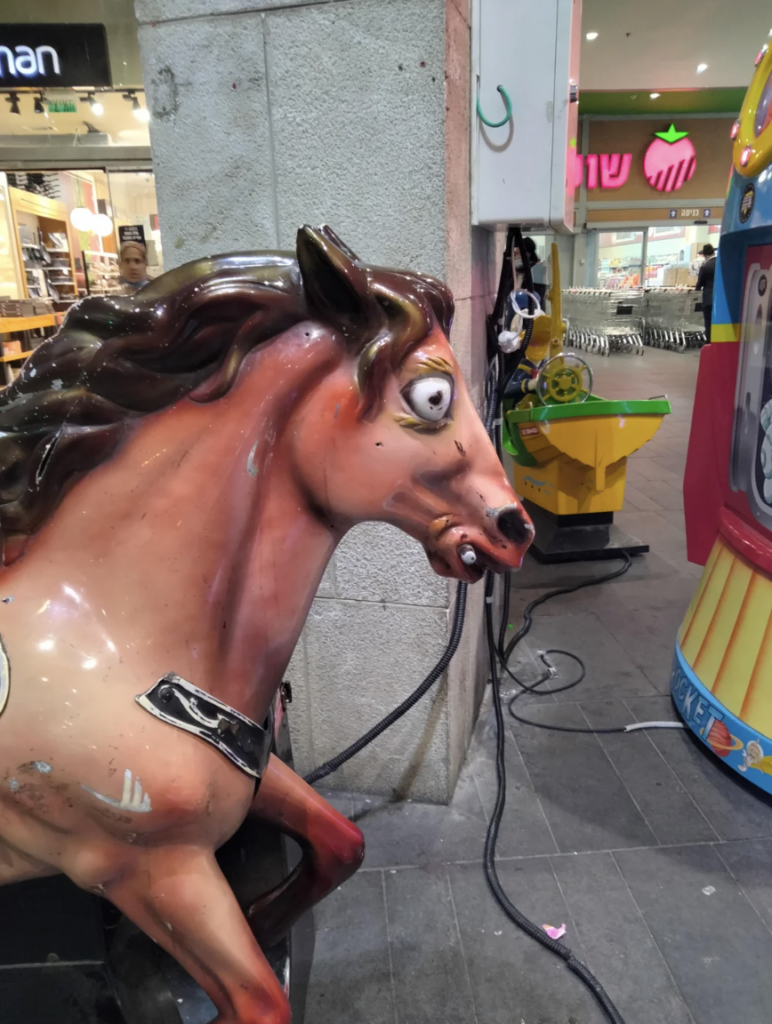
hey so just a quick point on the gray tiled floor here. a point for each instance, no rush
(657, 860)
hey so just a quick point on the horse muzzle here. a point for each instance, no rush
(466, 553)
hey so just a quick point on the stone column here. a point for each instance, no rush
(267, 114)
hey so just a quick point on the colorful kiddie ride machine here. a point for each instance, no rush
(722, 672)
(569, 446)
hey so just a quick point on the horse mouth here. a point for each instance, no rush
(469, 561)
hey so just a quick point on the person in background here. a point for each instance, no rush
(538, 269)
(705, 280)
(132, 264)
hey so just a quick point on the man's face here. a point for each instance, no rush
(133, 267)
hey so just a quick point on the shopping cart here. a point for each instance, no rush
(603, 321)
(674, 319)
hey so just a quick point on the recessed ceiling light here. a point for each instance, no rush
(701, 68)
(591, 36)
(654, 95)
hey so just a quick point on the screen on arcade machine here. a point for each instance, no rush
(750, 469)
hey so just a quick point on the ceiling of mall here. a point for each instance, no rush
(117, 120)
(658, 44)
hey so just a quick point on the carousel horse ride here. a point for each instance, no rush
(176, 469)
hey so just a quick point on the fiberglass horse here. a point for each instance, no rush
(176, 469)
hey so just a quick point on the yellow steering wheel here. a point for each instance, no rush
(564, 378)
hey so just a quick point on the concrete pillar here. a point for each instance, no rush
(267, 114)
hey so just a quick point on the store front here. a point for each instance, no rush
(76, 178)
(650, 194)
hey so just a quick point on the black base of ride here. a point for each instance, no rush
(68, 957)
(580, 538)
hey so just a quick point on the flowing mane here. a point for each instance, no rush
(116, 359)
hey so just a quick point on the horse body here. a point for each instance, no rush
(197, 549)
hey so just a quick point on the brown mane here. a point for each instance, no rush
(116, 359)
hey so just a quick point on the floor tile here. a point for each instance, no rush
(514, 979)
(609, 670)
(668, 809)
(714, 943)
(620, 949)
(430, 975)
(351, 977)
(750, 862)
(401, 834)
(524, 830)
(586, 804)
(735, 808)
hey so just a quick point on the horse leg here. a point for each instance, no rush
(179, 898)
(16, 866)
(333, 849)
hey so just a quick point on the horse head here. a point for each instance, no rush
(375, 419)
(392, 434)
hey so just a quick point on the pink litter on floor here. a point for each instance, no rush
(554, 933)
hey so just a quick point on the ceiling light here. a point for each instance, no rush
(40, 107)
(591, 36)
(654, 95)
(103, 225)
(701, 68)
(96, 107)
(141, 113)
(81, 218)
(13, 99)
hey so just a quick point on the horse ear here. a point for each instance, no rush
(335, 285)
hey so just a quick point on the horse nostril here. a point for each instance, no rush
(513, 525)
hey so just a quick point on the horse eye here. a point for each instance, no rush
(429, 398)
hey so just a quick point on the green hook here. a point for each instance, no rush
(507, 104)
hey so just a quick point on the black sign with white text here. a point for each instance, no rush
(131, 233)
(49, 55)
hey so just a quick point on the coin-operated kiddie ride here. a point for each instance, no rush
(722, 673)
(570, 447)
(176, 470)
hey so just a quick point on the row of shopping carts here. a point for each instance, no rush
(603, 321)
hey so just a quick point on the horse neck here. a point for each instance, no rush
(195, 536)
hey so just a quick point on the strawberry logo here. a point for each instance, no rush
(669, 161)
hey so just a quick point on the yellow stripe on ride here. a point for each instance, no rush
(734, 674)
(726, 636)
(757, 706)
(724, 332)
(705, 610)
(697, 596)
(711, 653)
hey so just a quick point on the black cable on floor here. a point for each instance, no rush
(491, 838)
(495, 654)
(503, 655)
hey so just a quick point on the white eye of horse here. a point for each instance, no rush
(429, 397)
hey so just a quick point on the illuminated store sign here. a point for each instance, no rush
(44, 56)
(614, 169)
(670, 160)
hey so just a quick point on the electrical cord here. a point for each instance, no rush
(492, 832)
(445, 658)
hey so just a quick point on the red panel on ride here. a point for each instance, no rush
(706, 480)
